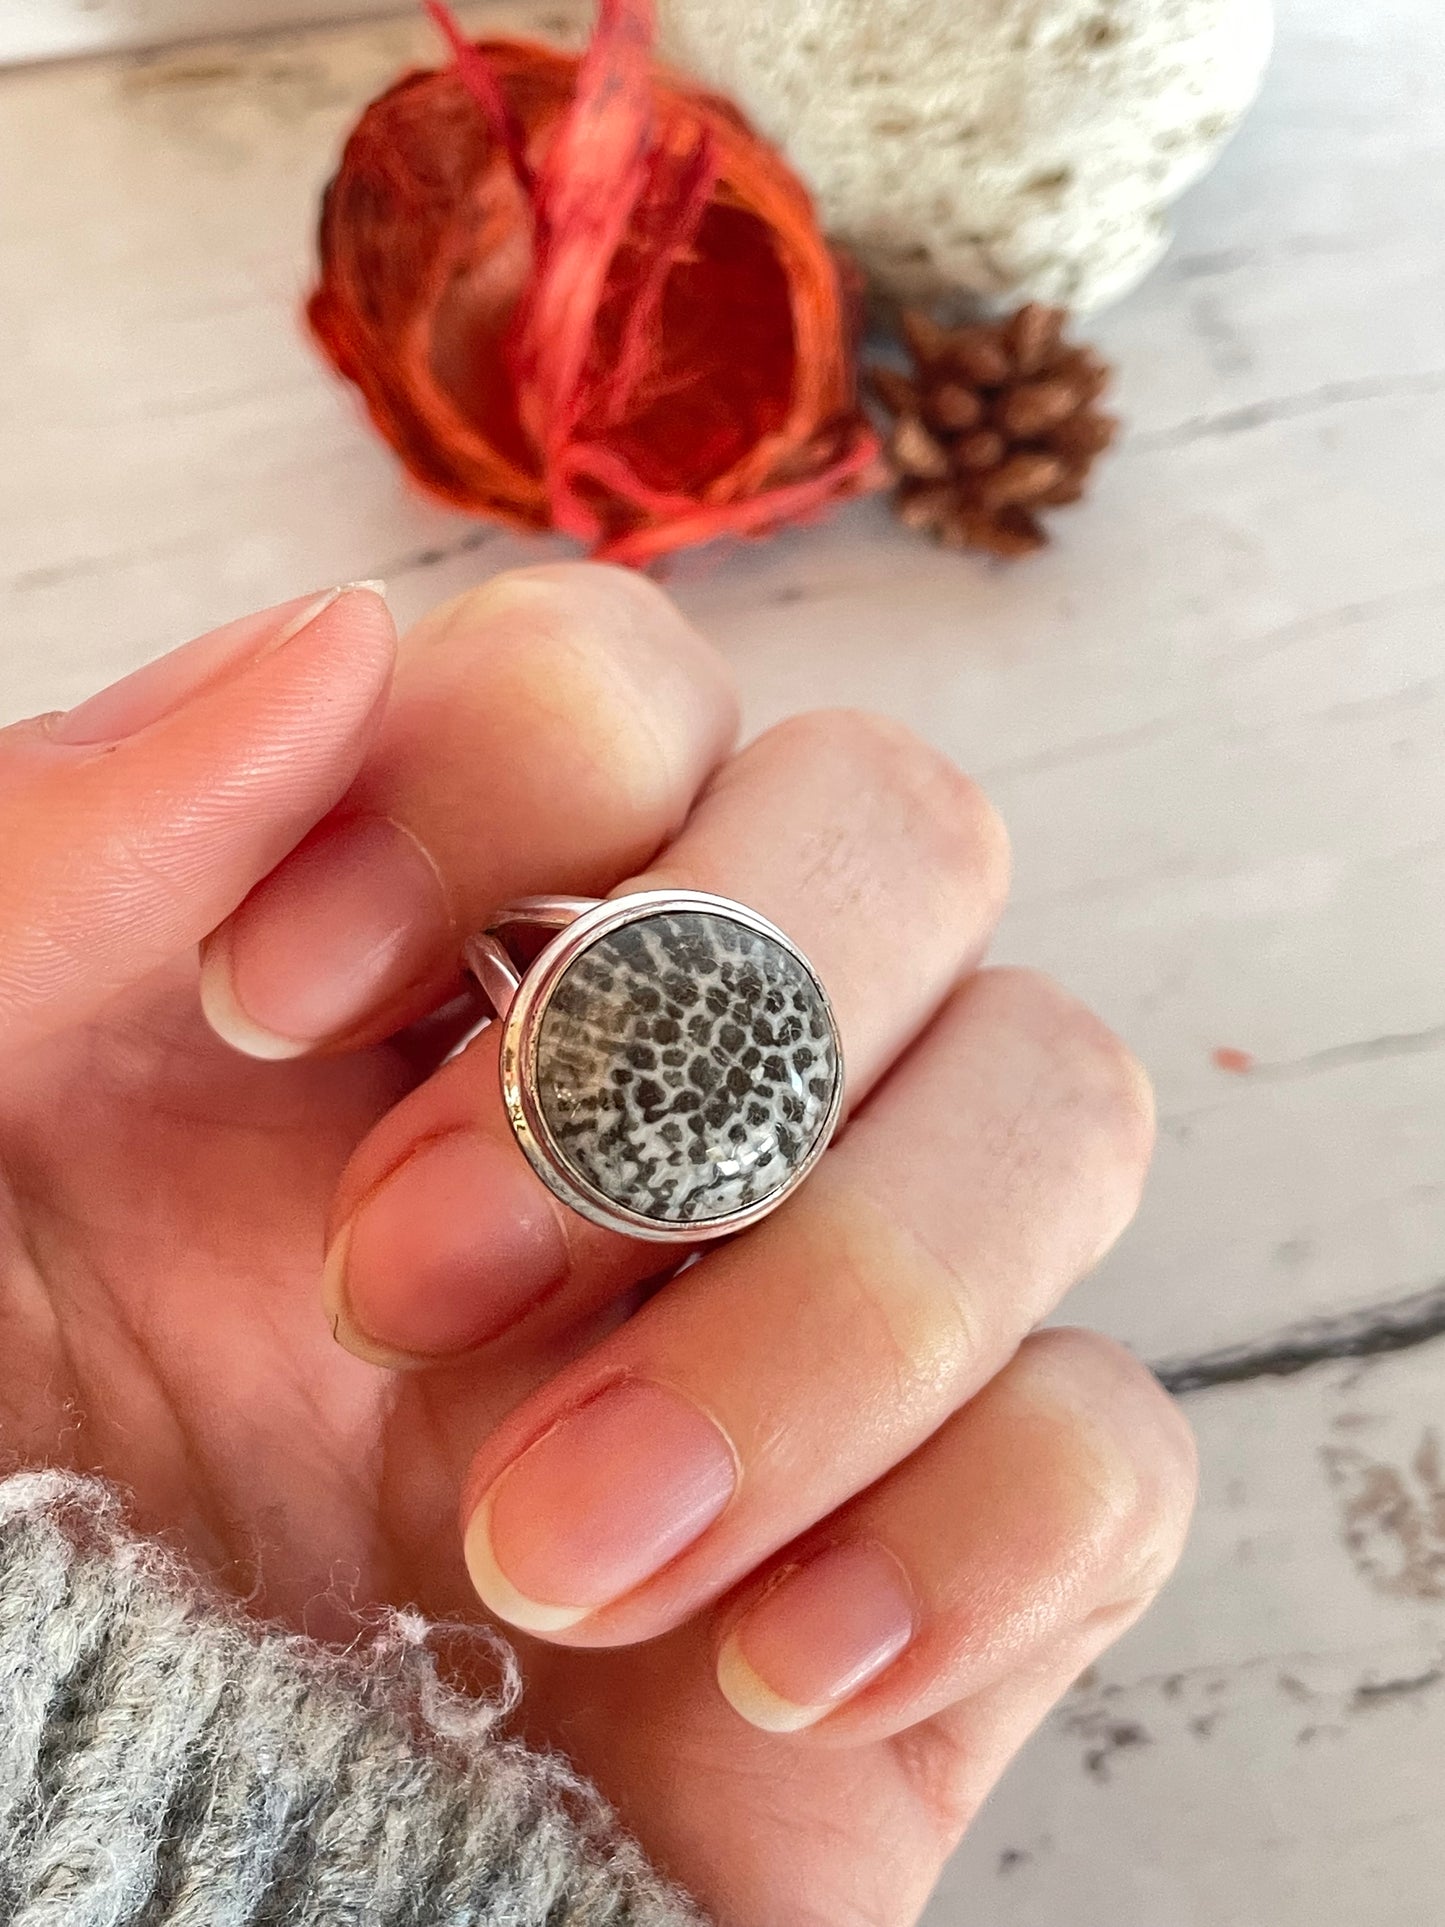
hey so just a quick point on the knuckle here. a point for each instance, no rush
(1147, 1460)
(917, 791)
(1121, 1097)
(950, 1776)
(575, 592)
(604, 623)
(1160, 1526)
(1102, 1083)
(594, 669)
(857, 738)
(567, 594)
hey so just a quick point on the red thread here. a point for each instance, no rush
(584, 295)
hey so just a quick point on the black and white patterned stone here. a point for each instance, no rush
(685, 1066)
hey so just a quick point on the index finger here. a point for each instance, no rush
(547, 732)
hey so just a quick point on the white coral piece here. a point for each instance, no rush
(1000, 150)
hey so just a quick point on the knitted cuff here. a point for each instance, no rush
(162, 1760)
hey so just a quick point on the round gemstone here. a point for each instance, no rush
(685, 1066)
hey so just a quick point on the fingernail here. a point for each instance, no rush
(338, 1312)
(455, 1246)
(615, 1490)
(817, 1637)
(353, 918)
(159, 688)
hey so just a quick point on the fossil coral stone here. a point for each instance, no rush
(685, 1066)
(998, 150)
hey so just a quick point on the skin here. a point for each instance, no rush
(166, 1202)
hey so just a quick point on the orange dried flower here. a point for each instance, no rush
(582, 294)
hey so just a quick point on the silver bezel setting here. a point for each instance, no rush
(521, 1028)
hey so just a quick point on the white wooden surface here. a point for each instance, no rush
(50, 29)
(1214, 715)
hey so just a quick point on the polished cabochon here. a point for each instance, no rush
(671, 1065)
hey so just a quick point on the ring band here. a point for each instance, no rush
(670, 1062)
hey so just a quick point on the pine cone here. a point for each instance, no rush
(997, 422)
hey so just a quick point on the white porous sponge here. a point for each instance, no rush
(997, 150)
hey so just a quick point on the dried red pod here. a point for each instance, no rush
(581, 294)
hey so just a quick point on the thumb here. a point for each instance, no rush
(132, 825)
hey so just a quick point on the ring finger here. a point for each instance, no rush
(875, 855)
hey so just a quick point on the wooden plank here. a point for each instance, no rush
(1264, 1749)
(57, 29)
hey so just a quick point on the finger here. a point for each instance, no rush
(870, 849)
(879, 857)
(788, 1371)
(136, 822)
(1055, 1502)
(961, 1754)
(546, 733)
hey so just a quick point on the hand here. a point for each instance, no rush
(829, 1458)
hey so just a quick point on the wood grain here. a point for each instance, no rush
(1214, 716)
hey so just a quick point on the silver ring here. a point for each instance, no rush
(670, 1061)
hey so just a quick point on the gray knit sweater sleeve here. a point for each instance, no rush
(165, 1763)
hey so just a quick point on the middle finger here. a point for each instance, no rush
(886, 866)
